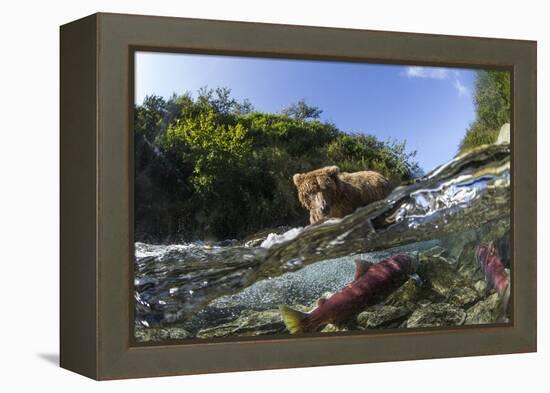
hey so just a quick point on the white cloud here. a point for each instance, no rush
(460, 88)
(426, 72)
(437, 73)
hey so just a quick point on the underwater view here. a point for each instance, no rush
(318, 197)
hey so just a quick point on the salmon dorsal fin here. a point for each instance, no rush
(361, 267)
(321, 301)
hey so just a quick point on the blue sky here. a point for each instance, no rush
(428, 107)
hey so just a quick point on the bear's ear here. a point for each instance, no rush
(332, 170)
(296, 178)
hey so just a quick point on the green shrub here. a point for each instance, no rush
(213, 168)
(492, 103)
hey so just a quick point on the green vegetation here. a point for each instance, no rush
(492, 101)
(213, 168)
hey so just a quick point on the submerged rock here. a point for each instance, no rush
(143, 334)
(481, 287)
(439, 273)
(447, 282)
(468, 267)
(463, 296)
(454, 244)
(407, 295)
(485, 311)
(385, 316)
(250, 323)
(503, 135)
(330, 328)
(436, 315)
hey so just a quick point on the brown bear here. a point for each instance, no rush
(329, 193)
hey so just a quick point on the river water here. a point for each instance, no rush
(181, 283)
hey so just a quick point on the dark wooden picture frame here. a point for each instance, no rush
(97, 194)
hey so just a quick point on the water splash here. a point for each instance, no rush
(274, 238)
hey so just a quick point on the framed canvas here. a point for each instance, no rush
(243, 196)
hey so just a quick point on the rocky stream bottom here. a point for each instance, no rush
(449, 290)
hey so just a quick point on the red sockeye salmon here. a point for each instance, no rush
(492, 267)
(373, 282)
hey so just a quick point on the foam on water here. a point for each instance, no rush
(143, 250)
(273, 238)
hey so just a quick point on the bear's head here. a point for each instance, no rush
(316, 191)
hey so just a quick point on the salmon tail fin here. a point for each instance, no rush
(293, 319)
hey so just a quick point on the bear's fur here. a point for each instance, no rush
(329, 193)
